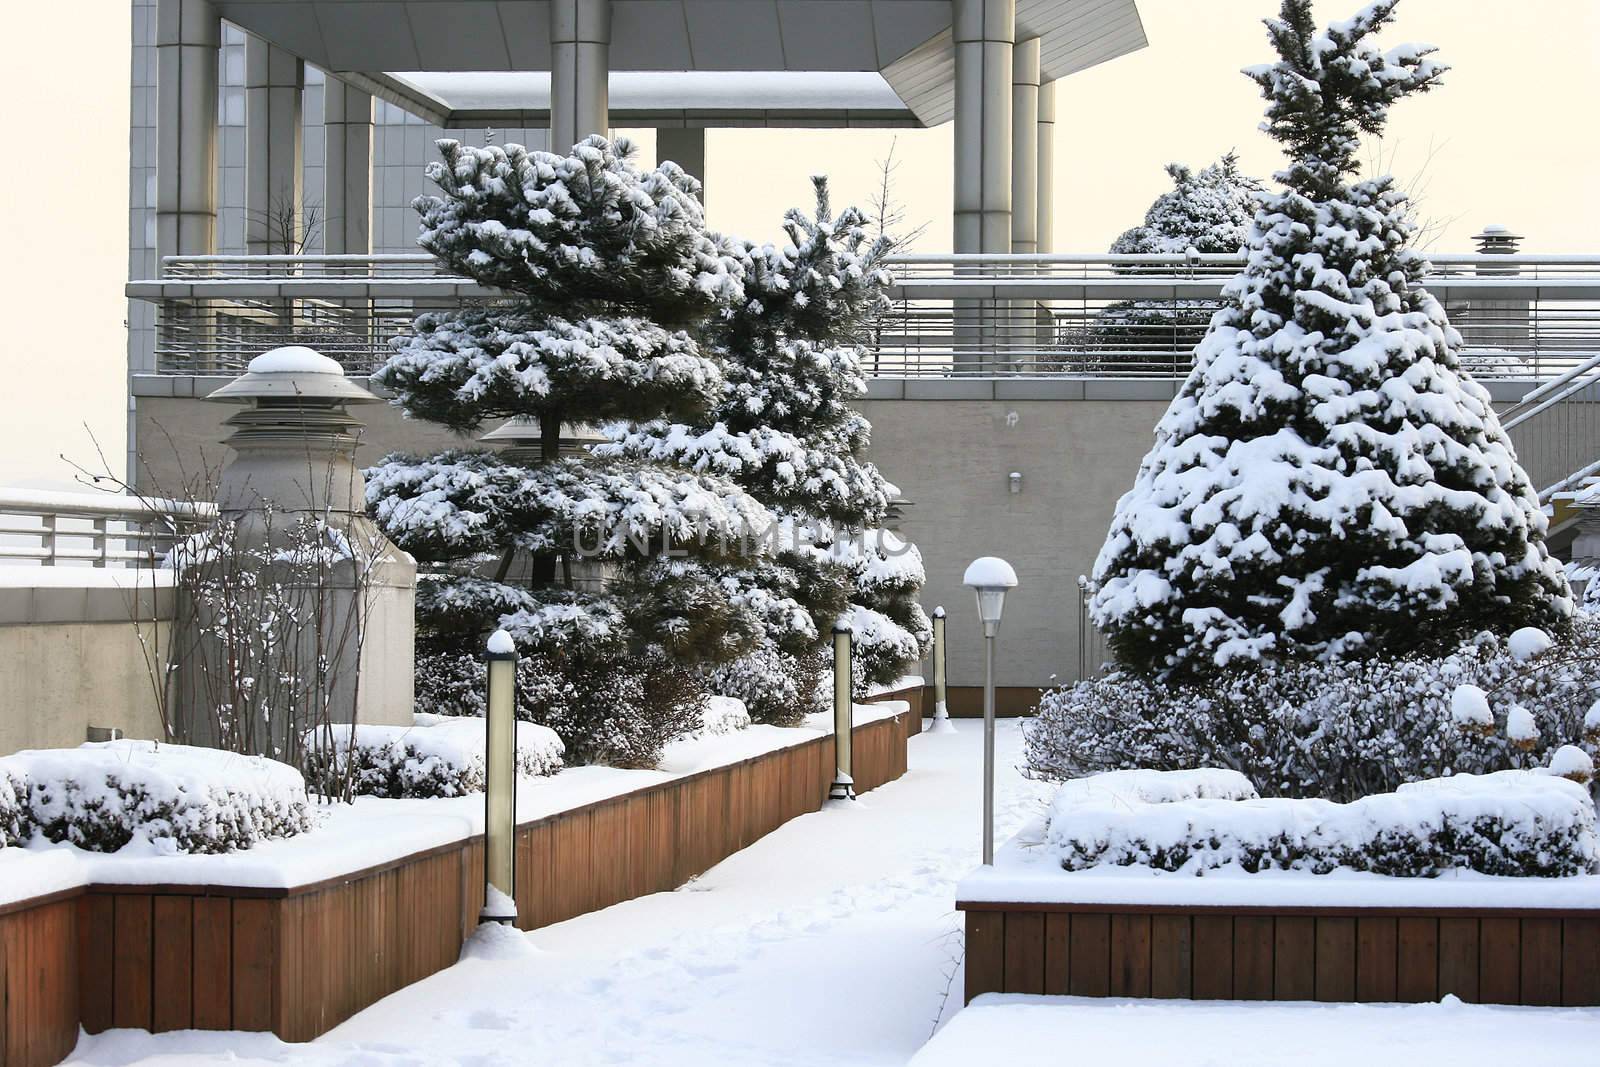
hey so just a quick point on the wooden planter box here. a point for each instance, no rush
(300, 961)
(1364, 954)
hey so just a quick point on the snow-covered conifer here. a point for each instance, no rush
(613, 284)
(1328, 481)
(786, 432)
(1209, 210)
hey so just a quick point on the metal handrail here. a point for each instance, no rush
(100, 529)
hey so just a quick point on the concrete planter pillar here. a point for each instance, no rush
(294, 469)
(580, 70)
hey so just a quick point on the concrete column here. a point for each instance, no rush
(347, 169)
(188, 35)
(273, 197)
(1045, 215)
(1044, 210)
(580, 67)
(1025, 146)
(686, 148)
(985, 32)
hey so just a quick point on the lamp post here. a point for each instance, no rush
(989, 577)
(941, 710)
(500, 785)
(844, 786)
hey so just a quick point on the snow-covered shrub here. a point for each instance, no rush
(890, 630)
(723, 715)
(1207, 210)
(1328, 482)
(621, 713)
(15, 825)
(1338, 729)
(777, 688)
(1519, 823)
(438, 757)
(181, 799)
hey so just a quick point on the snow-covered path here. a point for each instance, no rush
(831, 941)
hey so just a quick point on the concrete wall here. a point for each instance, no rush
(952, 459)
(950, 445)
(71, 658)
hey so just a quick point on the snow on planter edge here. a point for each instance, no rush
(1028, 868)
(374, 831)
(1517, 823)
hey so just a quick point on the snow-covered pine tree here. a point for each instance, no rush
(785, 430)
(612, 282)
(1328, 482)
(1210, 212)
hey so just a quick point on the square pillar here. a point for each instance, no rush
(580, 71)
(273, 194)
(1025, 147)
(188, 36)
(347, 169)
(686, 148)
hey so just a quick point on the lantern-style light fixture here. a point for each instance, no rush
(990, 577)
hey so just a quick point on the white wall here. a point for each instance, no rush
(64, 95)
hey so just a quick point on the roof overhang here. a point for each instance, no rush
(694, 98)
(907, 42)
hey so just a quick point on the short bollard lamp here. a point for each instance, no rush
(500, 787)
(990, 577)
(941, 710)
(844, 786)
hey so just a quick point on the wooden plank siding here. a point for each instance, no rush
(300, 961)
(1331, 954)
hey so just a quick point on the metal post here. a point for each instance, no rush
(844, 786)
(500, 785)
(988, 749)
(941, 709)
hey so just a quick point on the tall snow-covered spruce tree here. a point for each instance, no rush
(1328, 482)
(613, 284)
(786, 432)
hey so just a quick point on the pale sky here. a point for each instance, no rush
(1509, 138)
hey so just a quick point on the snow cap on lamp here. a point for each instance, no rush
(990, 577)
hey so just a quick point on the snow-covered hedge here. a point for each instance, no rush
(1337, 730)
(180, 799)
(1519, 823)
(617, 713)
(776, 687)
(438, 757)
